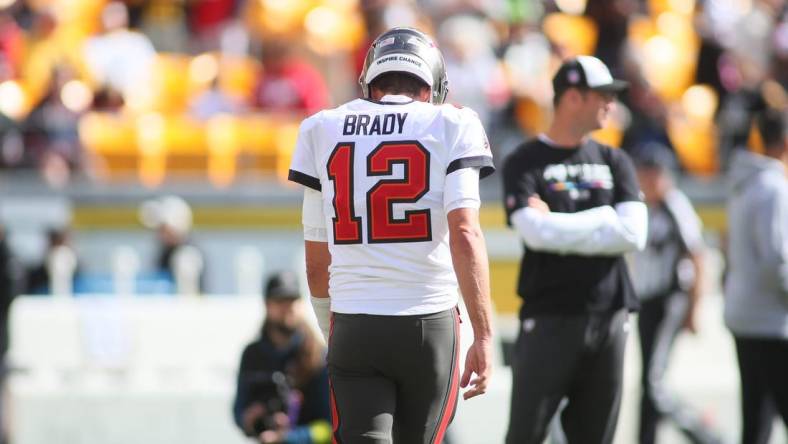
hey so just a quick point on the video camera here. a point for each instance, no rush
(272, 391)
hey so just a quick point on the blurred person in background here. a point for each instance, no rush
(612, 23)
(667, 276)
(39, 278)
(11, 278)
(50, 132)
(214, 101)
(648, 119)
(529, 62)
(208, 19)
(282, 392)
(119, 58)
(164, 22)
(745, 72)
(779, 65)
(11, 47)
(177, 255)
(288, 82)
(477, 79)
(756, 285)
(576, 204)
(742, 104)
(712, 56)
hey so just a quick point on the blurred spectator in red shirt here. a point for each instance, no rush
(11, 46)
(288, 83)
(208, 18)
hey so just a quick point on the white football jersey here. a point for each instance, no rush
(381, 168)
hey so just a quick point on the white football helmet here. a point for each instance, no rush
(410, 51)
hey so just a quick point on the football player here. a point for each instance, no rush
(392, 230)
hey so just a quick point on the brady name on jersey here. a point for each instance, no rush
(356, 125)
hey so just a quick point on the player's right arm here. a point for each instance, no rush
(318, 257)
(303, 170)
(318, 260)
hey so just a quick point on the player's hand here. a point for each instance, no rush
(478, 361)
(537, 203)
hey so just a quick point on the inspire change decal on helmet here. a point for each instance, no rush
(410, 51)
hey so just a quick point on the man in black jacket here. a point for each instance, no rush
(282, 394)
(576, 204)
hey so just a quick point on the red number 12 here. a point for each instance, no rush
(382, 227)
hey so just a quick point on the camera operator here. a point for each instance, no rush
(282, 394)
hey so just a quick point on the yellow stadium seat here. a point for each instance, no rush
(111, 141)
(238, 76)
(107, 133)
(531, 117)
(170, 84)
(576, 34)
(286, 136)
(692, 130)
(754, 139)
(611, 134)
(264, 139)
(694, 144)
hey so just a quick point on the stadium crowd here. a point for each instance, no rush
(101, 88)
(107, 91)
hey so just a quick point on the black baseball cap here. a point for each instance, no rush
(586, 72)
(283, 285)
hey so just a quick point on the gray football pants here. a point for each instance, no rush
(393, 378)
(577, 357)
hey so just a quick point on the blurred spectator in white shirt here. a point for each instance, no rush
(475, 75)
(119, 58)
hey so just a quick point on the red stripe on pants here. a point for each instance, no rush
(451, 401)
(332, 399)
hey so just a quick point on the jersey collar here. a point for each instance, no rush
(392, 99)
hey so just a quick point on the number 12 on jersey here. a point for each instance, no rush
(382, 226)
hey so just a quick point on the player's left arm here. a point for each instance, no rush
(469, 257)
(469, 160)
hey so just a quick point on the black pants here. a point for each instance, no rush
(660, 320)
(393, 378)
(577, 357)
(763, 368)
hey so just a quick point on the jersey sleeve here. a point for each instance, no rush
(627, 188)
(302, 165)
(462, 190)
(471, 148)
(519, 183)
